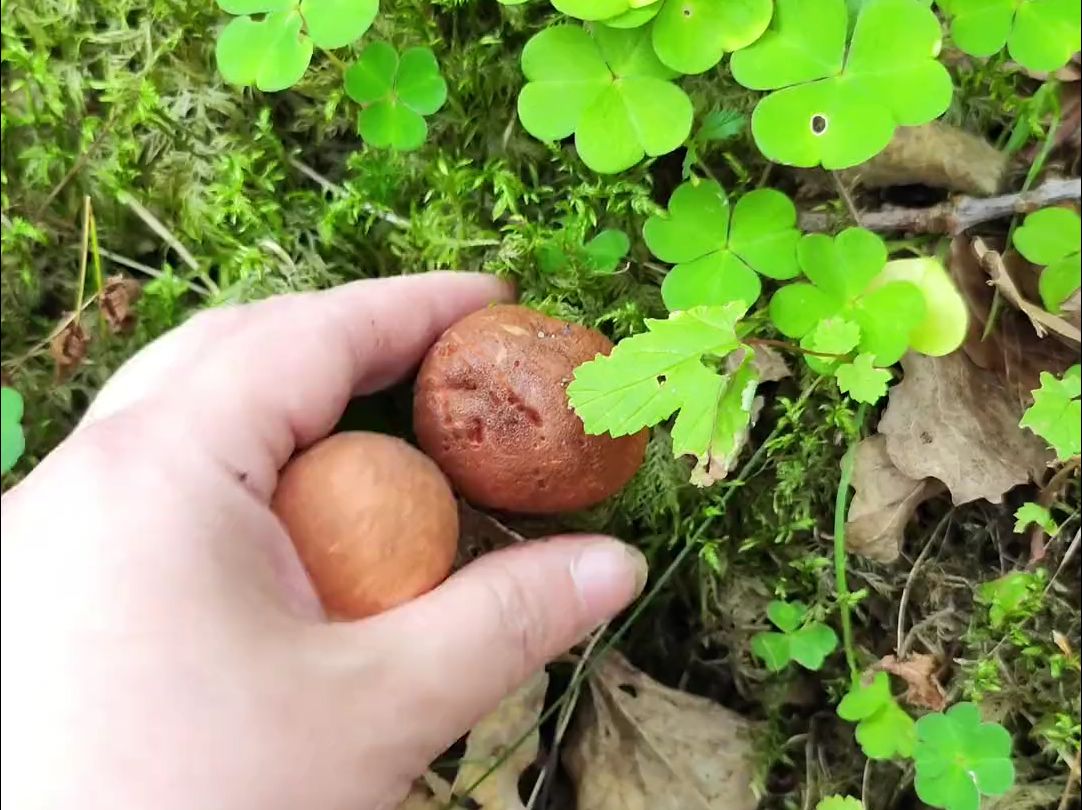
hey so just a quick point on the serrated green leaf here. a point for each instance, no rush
(1007, 596)
(1056, 412)
(861, 380)
(839, 803)
(629, 389)
(835, 109)
(728, 428)
(691, 36)
(271, 54)
(835, 336)
(12, 439)
(336, 23)
(721, 125)
(1030, 514)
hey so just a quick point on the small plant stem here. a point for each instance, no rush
(790, 347)
(83, 256)
(1031, 177)
(903, 603)
(644, 601)
(841, 583)
(847, 198)
(335, 60)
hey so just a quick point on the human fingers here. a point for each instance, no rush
(253, 383)
(451, 655)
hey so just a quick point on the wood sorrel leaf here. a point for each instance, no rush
(838, 109)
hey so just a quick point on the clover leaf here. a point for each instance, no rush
(841, 271)
(691, 36)
(884, 730)
(608, 89)
(397, 92)
(719, 250)
(808, 643)
(600, 255)
(12, 440)
(1051, 237)
(1040, 35)
(634, 17)
(273, 53)
(593, 9)
(1056, 412)
(839, 107)
(958, 759)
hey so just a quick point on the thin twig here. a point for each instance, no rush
(166, 235)
(1047, 496)
(1072, 780)
(847, 198)
(955, 216)
(790, 347)
(564, 719)
(903, 603)
(139, 267)
(83, 256)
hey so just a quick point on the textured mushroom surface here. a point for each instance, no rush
(372, 518)
(490, 406)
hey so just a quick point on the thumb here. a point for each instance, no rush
(455, 652)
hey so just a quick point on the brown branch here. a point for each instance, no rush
(956, 215)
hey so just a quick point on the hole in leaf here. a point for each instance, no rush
(687, 11)
(629, 689)
(818, 124)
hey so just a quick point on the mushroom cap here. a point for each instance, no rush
(372, 518)
(490, 406)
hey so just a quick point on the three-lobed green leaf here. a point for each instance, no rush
(959, 758)
(808, 643)
(692, 36)
(838, 107)
(608, 89)
(273, 53)
(1040, 35)
(12, 439)
(720, 250)
(1056, 412)
(1051, 237)
(396, 92)
(884, 730)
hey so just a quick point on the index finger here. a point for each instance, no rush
(255, 382)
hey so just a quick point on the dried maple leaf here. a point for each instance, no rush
(884, 501)
(68, 348)
(639, 745)
(492, 739)
(118, 297)
(920, 675)
(952, 421)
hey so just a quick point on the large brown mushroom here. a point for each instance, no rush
(490, 406)
(372, 518)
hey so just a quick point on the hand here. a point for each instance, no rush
(162, 646)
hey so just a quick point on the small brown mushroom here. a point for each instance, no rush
(490, 406)
(372, 518)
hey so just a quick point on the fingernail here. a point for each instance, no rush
(603, 572)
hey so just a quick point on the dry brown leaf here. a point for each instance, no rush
(490, 740)
(952, 421)
(768, 362)
(884, 501)
(480, 534)
(936, 155)
(1043, 322)
(118, 297)
(919, 672)
(1072, 309)
(68, 348)
(639, 745)
(429, 792)
(1012, 349)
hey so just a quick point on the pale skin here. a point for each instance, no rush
(162, 646)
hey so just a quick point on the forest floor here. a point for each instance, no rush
(205, 195)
